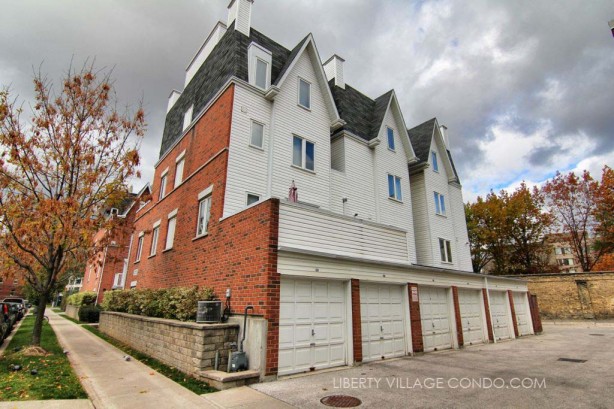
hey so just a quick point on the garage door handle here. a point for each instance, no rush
(313, 344)
(433, 324)
(313, 332)
(381, 328)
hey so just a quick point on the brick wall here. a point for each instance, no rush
(239, 252)
(415, 321)
(457, 315)
(187, 346)
(510, 296)
(574, 295)
(356, 321)
(491, 336)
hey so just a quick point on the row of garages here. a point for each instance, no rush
(316, 329)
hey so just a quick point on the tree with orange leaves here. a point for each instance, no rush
(58, 172)
(583, 208)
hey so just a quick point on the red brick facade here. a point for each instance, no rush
(513, 310)
(535, 318)
(457, 316)
(415, 321)
(491, 336)
(356, 321)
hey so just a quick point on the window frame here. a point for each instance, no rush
(163, 183)
(155, 237)
(188, 117)
(435, 162)
(308, 106)
(179, 175)
(303, 153)
(266, 73)
(139, 247)
(204, 197)
(394, 187)
(445, 251)
(251, 135)
(390, 138)
(440, 204)
(172, 218)
(247, 203)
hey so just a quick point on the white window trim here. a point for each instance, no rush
(186, 122)
(180, 156)
(247, 194)
(155, 238)
(206, 228)
(205, 192)
(180, 159)
(251, 130)
(298, 94)
(303, 154)
(139, 247)
(435, 161)
(394, 180)
(441, 198)
(256, 52)
(163, 183)
(266, 73)
(171, 216)
(393, 149)
(173, 213)
(449, 259)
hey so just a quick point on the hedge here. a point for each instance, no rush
(178, 303)
(84, 298)
(89, 313)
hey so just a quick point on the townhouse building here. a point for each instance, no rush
(372, 261)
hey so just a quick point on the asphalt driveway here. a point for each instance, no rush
(525, 373)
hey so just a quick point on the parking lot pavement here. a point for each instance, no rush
(522, 373)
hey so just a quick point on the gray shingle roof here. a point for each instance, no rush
(420, 137)
(363, 116)
(289, 60)
(228, 58)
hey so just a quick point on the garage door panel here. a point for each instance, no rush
(500, 317)
(522, 314)
(312, 325)
(472, 320)
(434, 314)
(382, 315)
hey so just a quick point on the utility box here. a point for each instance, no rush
(209, 312)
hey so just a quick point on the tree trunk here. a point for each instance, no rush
(38, 323)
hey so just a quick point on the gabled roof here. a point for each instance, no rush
(293, 54)
(227, 59)
(363, 116)
(421, 137)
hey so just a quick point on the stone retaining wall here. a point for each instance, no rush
(187, 346)
(574, 295)
(72, 311)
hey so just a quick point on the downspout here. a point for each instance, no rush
(106, 249)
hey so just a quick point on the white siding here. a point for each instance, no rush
(422, 229)
(247, 166)
(313, 230)
(313, 266)
(313, 125)
(337, 155)
(460, 228)
(356, 183)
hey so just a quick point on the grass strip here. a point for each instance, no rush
(63, 315)
(187, 381)
(55, 379)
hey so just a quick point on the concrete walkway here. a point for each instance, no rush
(112, 382)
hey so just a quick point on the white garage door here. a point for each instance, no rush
(472, 319)
(522, 314)
(499, 309)
(311, 325)
(382, 311)
(435, 317)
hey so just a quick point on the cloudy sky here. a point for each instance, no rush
(525, 87)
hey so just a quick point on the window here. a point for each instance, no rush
(135, 272)
(445, 249)
(163, 184)
(187, 118)
(440, 204)
(434, 160)
(257, 135)
(154, 239)
(180, 162)
(304, 93)
(170, 232)
(394, 188)
(261, 71)
(252, 198)
(139, 247)
(303, 153)
(390, 139)
(558, 250)
(204, 213)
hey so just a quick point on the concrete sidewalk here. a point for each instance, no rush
(112, 382)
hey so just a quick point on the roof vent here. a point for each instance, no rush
(240, 12)
(333, 68)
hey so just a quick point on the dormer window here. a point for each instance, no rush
(434, 160)
(259, 70)
(187, 117)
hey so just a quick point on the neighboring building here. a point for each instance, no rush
(562, 255)
(372, 260)
(74, 285)
(106, 269)
(12, 286)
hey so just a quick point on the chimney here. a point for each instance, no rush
(443, 129)
(240, 12)
(333, 68)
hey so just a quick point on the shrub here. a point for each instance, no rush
(84, 298)
(89, 313)
(178, 303)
